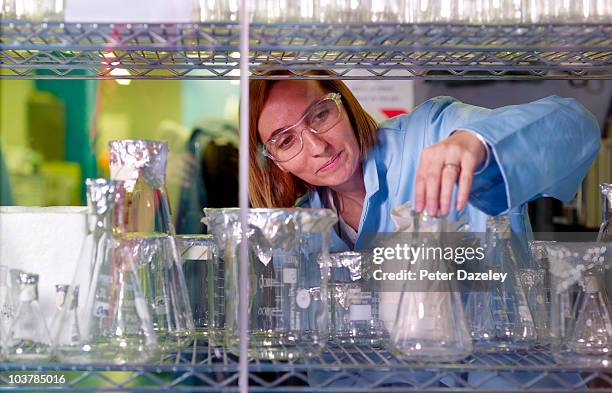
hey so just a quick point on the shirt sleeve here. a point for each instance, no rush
(543, 148)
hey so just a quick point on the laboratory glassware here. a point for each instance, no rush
(580, 319)
(354, 300)
(204, 277)
(140, 168)
(106, 318)
(430, 323)
(288, 276)
(28, 338)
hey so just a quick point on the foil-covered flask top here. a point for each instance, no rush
(133, 159)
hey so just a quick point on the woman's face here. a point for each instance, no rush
(328, 159)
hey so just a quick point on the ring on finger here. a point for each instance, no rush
(451, 165)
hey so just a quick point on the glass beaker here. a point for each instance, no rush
(354, 300)
(580, 317)
(143, 207)
(105, 318)
(204, 277)
(28, 338)
(287, 320)
(430, 323)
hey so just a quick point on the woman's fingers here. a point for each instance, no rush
(432, 192)
(468, 164)
(449, 177)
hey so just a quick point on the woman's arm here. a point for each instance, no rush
(543, 148)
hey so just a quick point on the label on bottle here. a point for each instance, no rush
(101, 309)
(195, 253)
(289, 275)
(360, 312)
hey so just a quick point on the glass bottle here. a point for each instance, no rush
(28, 339)
(105, 318)
(139, 166)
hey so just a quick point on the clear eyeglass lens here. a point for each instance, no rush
(320, 118)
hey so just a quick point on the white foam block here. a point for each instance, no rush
(43, 240)
(132, 11)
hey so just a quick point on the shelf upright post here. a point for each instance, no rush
(243, 198)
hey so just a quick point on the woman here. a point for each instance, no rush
(313, 145)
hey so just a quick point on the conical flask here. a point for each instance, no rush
(139, 167)
(580, 318)
(28, 339)
(106, 318)
(514, 325)
(592, 333)
(430, 323)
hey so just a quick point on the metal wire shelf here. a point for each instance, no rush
(341, 368)
(352, 51)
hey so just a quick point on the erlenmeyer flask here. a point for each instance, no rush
(7, 309)
(28, 339)
(592, 333)
(140, 166)
(106, 318)
(514, 326)
(580, 317)
(430, 323)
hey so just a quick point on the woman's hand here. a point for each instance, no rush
(441, 166)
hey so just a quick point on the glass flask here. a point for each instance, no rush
(140, 168)
(354, 300)
(288, 310)
(539, 294)
(507, 300)
(204, 278)
(28, 338)
(580, 317)
(430, 323)
(106, 318)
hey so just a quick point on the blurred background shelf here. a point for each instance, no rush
(350, 51)
(342, 368)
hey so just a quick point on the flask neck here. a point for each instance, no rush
(606, 202)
